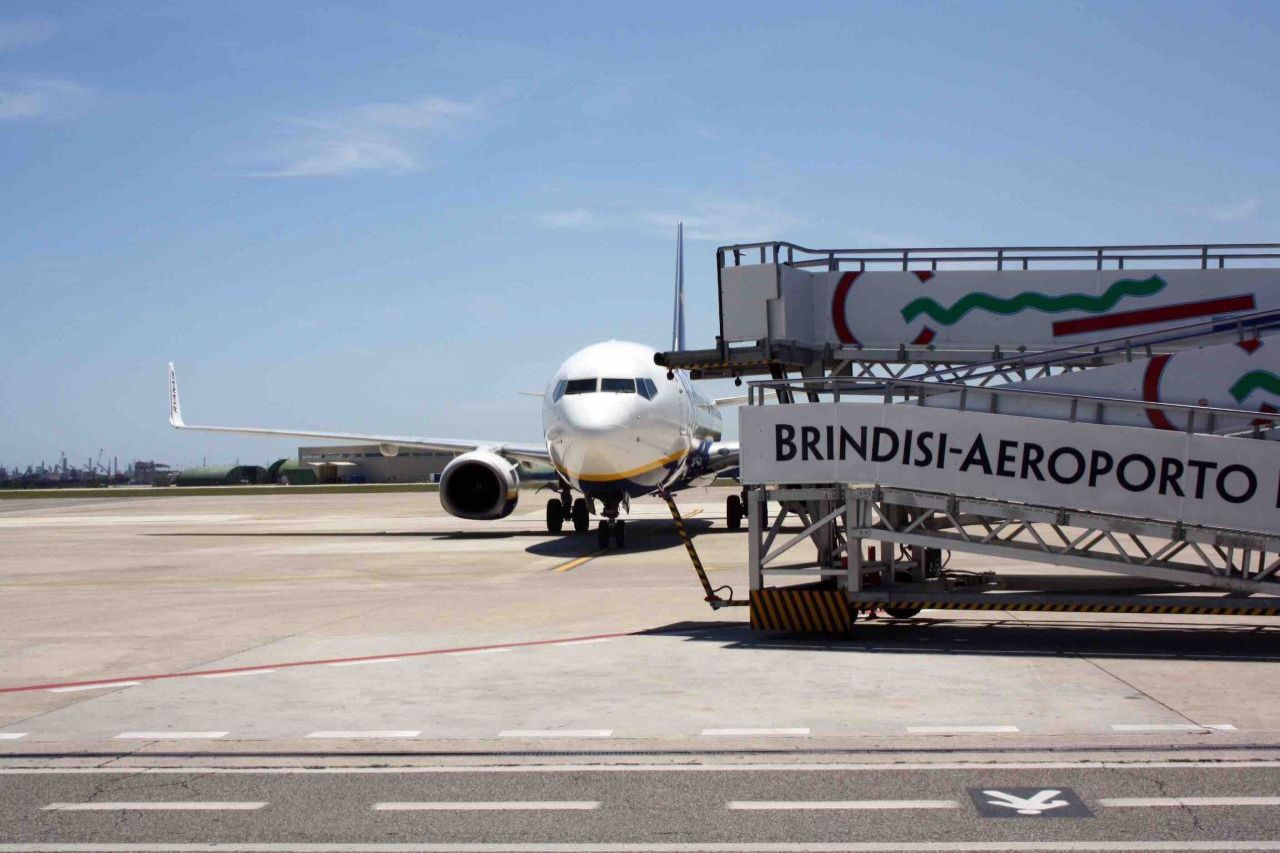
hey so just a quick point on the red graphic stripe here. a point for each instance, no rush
(1151, 392)
(1163, 314)
(838, 318)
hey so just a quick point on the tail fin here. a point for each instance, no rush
(175, 407)
(677, 319)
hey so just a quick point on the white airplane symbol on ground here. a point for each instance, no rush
(1041, 802)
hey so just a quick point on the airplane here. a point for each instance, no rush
(616, 426)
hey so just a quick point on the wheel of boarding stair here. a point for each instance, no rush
(902, 612)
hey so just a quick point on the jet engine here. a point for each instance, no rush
(480, 485)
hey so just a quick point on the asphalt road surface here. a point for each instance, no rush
(1072, 806)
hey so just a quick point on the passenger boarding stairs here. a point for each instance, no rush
(1155, 366)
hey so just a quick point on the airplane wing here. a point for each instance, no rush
(515, 450)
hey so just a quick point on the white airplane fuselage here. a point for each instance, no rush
(616, 427)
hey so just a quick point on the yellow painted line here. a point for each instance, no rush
(692, 513)
(573, 564)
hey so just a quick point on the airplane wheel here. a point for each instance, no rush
(733, 512)
(902, 612)
(581, 516)
(555, 515)
(602, 534)
(620, 534)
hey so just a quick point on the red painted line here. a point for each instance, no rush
(1163, 314)
(422, 653)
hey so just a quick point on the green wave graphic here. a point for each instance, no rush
(1030, 299)
(1252, 381)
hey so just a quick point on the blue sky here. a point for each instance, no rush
(393, 217)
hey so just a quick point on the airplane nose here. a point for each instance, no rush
(586, 419)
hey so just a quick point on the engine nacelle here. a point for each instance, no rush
(479, 485)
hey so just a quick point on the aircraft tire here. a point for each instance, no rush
(581, 516)
(733, 512)
(602, 534)
(555, 516)
(620, 534)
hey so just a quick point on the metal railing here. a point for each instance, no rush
(1198, 419)
(1201, 255)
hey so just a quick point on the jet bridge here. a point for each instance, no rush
(1112, 409)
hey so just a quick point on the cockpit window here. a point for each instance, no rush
(646, 388)
(559, 391)
(580, 386)
(618, 386)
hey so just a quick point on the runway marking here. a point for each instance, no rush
(754, 732)
(483, 651)
(573, 564)
(392, 733)
(556, 733)
(586, 642)
(496, 806)
(1171, 727)
(238, 673)
(12, 735)
(364, 662)
(658, 847)
(960, 730)
(94, 684)
(1178, 802)
(170, 735)
(166, 806)
(73, 687)
(839, 805)
(137, 770)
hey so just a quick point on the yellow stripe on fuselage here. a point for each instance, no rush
(623, 475)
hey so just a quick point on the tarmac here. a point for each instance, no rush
(324, 655)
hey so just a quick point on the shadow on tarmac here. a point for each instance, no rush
(1001, 636)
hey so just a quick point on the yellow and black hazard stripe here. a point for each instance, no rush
(815, 611)
(1187, 609)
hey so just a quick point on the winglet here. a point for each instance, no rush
(175, 407)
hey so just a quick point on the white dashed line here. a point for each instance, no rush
(556, 733)
(1170, 727)
(755, 732)
(1178, 802)
(176, 806)
(839, 805)
(960, 730)
(364, 662)
(12, 735)
(237, 674)
(170, 735)
(79, 687)
(392, 733)
(498, 806)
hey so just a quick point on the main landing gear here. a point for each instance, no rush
(735, 509)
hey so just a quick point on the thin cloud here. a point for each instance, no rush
(578, 217)
(19, 33)
(726, 221)
(27, 98)
(1239, 212)
(383, 137)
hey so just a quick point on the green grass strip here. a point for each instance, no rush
(1030, 299)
